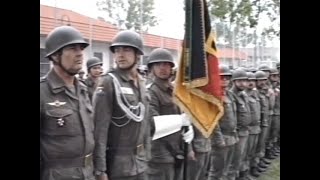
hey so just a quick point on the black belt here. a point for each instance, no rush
(126, 150)
(69, 163)
(228, 133)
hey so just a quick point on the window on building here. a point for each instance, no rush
(44, 63)
(98, 55)
(111, 61)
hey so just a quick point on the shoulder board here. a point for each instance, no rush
(82, 82)
(43, 79)
(148, 86)
(231, 93)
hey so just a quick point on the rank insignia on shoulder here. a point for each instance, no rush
(57, 103)
(148, 86)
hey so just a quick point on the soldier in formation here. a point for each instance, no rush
(114, 127)
(94, 68)
(66, 114)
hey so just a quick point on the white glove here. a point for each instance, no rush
(186, 119)
(189, 135)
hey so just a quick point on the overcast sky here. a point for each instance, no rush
(170, 16)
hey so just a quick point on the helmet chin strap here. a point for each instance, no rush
(64, 69)
(133, 64)
(130, 67)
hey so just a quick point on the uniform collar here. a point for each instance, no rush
(57, 84)
(237, 92)
(90, 82)
(162, 85)
(124, 75)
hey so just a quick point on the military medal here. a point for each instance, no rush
(99, 89)
(57, 103)
(60, 122)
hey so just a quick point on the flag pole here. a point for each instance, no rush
(187, 46)
(185, 149)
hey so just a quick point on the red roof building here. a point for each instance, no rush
(100, 34)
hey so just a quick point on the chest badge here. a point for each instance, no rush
(99, 89)
(60, 122)
(57, 103)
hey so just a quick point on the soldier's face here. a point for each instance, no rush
(274, 77)
(241, 84)
(251, 84)
(162, 70)
(225, 81)
(124, 56)
(72, 58)
(96, 71)
(261, 84)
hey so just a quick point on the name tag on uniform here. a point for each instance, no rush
(126, 90)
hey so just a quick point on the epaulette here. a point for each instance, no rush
(43, 79)
(82, 82)
(148, 86)
(232, 95)
(231, 92)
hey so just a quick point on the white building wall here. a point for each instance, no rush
(98, 47)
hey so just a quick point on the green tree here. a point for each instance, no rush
(133, 14)
(239, 16)
(272, 9)
(273, 31)
(233, 16)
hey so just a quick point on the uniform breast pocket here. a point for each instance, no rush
(166, 104)
(243, 115)
(90, 116)
(252, 103)
(59, 122)
(228, 107)
(242, 108)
